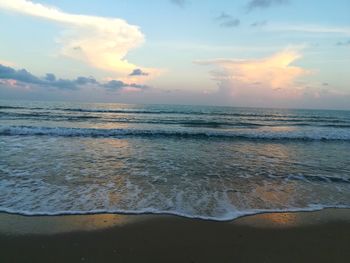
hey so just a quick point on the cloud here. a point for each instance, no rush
(259, 23)
(263, 4)
(117, 85)
(138, 72)
(180, 3)
(22, 77)
(19, 75)
(223, 16)
(264, 77)
(102, 42)
(86, 80)
(307, 28)
(226, 20)
(231, 23)
(343, 43)
(7, 63)
(50, 80)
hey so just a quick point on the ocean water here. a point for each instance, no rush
(204, 162)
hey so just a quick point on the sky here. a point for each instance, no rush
(255, 53)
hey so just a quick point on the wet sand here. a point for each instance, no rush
(322, 236)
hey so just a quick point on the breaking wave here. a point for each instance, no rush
(312, 135)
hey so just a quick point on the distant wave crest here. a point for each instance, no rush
(343, 135)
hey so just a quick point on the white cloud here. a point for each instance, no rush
(102, 42)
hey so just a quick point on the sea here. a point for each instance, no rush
(215, 163)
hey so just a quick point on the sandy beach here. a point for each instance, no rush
(322, 236)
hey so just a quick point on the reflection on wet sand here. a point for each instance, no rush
(273, 220)
(24, 225)
(281, 219)
(295, 219)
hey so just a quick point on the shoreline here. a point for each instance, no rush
(240, 215)
(24, 224)
(320, 236)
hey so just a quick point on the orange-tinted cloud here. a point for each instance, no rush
(275, 72)
(273, 80)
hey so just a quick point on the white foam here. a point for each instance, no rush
(231, 215)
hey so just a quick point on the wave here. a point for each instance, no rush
(21, 108)
(186, 122)
(130, 111)
(239, 118)
(321, 135)
(315, 178)
(229, 216)
(12, 107)
(292, 118)
(273, 116)
(45, 116)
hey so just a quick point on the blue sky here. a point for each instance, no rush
(269, 53)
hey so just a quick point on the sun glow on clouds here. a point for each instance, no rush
(9, 82)
(101, 42)
(258, 76)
